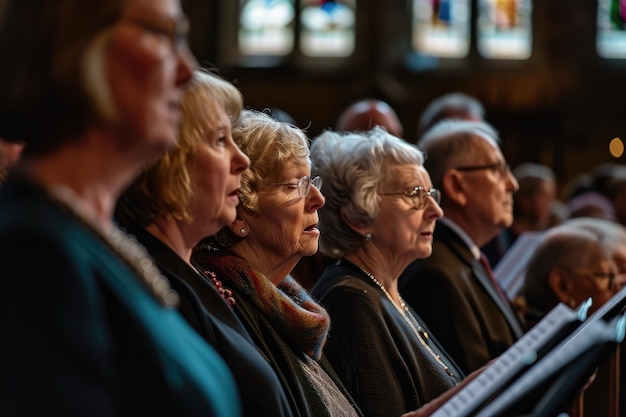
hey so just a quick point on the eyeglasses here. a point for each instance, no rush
(598, 276)
(419, 196)
(175, 31)
(500, 168)
(303, 185)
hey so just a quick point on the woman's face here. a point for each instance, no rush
(286, 224)
(217, 167)
(401, 231)
(148, 64)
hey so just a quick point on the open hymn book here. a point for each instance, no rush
(546, 367)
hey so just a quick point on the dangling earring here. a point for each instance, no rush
(368, 237)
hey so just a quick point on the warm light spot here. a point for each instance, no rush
(616, 147)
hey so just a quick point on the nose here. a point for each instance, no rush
(315, 199)
(187, 64)
(433, 209)
(511, 182)
(240, 160)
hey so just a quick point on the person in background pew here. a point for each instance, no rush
(180, 198)
(581, 258)
(574, 261)
(454, 105)
(366, 114)
(89, 325)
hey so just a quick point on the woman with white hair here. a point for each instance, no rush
(379, 216)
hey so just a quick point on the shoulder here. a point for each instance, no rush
(330, 285)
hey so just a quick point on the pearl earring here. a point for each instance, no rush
(368, 237)
(242, 231)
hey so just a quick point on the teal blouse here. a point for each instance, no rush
(81, 335)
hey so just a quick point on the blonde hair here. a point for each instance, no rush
(165, 188)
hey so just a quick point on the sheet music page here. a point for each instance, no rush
(551, 330)
(592, 342)
(510, 270)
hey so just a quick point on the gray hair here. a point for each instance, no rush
(450, 143)
(353, 166)
(610, 233)
(449, 106)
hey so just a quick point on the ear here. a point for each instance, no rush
(454, 187)
(561, 286)
(361, 229)
(239, 227)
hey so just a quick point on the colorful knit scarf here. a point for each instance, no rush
(291, 310)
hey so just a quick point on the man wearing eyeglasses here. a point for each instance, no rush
(453, 290)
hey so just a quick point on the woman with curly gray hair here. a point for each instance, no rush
(276, 226)
(379, 216)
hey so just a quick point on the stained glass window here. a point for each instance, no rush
(266, 27)
(504, 28)
(441, 27)
(611, 37)
(327, 27)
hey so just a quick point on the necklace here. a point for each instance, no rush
(410, 319)
(126, 247)
(224, 292)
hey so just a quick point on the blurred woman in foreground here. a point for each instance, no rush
(88, 322)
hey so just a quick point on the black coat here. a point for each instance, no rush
(373, 349)
(287, 362)
(80, 333)
(453, 293)
(204, 308)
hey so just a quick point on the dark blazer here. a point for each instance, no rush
(302, 393)
(373, 349)
(205, 309)
(80, 333)
(454, 295)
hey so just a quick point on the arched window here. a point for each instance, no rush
(266, 27)
(504, 29)
(324, 28)
(441, 28)
(327, 28)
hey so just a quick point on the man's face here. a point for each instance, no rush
(489, 189)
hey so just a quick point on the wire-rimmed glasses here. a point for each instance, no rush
(419, 196)
(303, 185)
(175, 31)
(607, 279)
(500, 168)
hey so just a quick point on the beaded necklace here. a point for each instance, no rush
(125, 246)
(410, 319)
